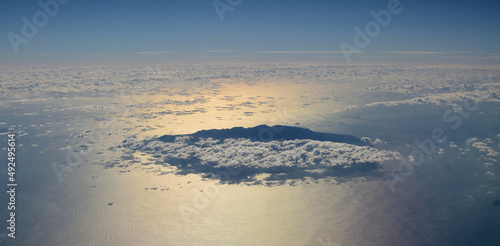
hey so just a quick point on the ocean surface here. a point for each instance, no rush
(107, 199)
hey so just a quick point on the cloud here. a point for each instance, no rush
(470, 52)
(406, 84)
(452, 54)
(87, 54)
(304, 52)
(418, 52)
(208, 156)
(218, 51)
(482, 147)
(152, 52)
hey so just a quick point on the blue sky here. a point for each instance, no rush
(255, 30)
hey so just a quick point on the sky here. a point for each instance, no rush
(244, 30)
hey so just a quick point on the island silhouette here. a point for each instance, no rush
(265, 133)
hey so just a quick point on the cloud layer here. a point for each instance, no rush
(209, 156)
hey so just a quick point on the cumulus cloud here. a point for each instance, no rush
(407, 84)
(482, 146)
(209, 155)
(370, 141)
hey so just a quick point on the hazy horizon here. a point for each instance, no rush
(164, 31)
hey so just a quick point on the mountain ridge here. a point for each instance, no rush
(265, 133)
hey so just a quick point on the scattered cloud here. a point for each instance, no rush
(218, 51)
(471, 52)
(87, 54)
(417, 52)
(482, 146)
(305, 52)
(152, 52)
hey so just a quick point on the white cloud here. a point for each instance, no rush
(152, 52)
(304, 52)
(87, 54)
(230, 152)
(401, 84)
(483, 147)
(418, 52)
(218, 51)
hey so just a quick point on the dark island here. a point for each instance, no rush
(265, 133)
